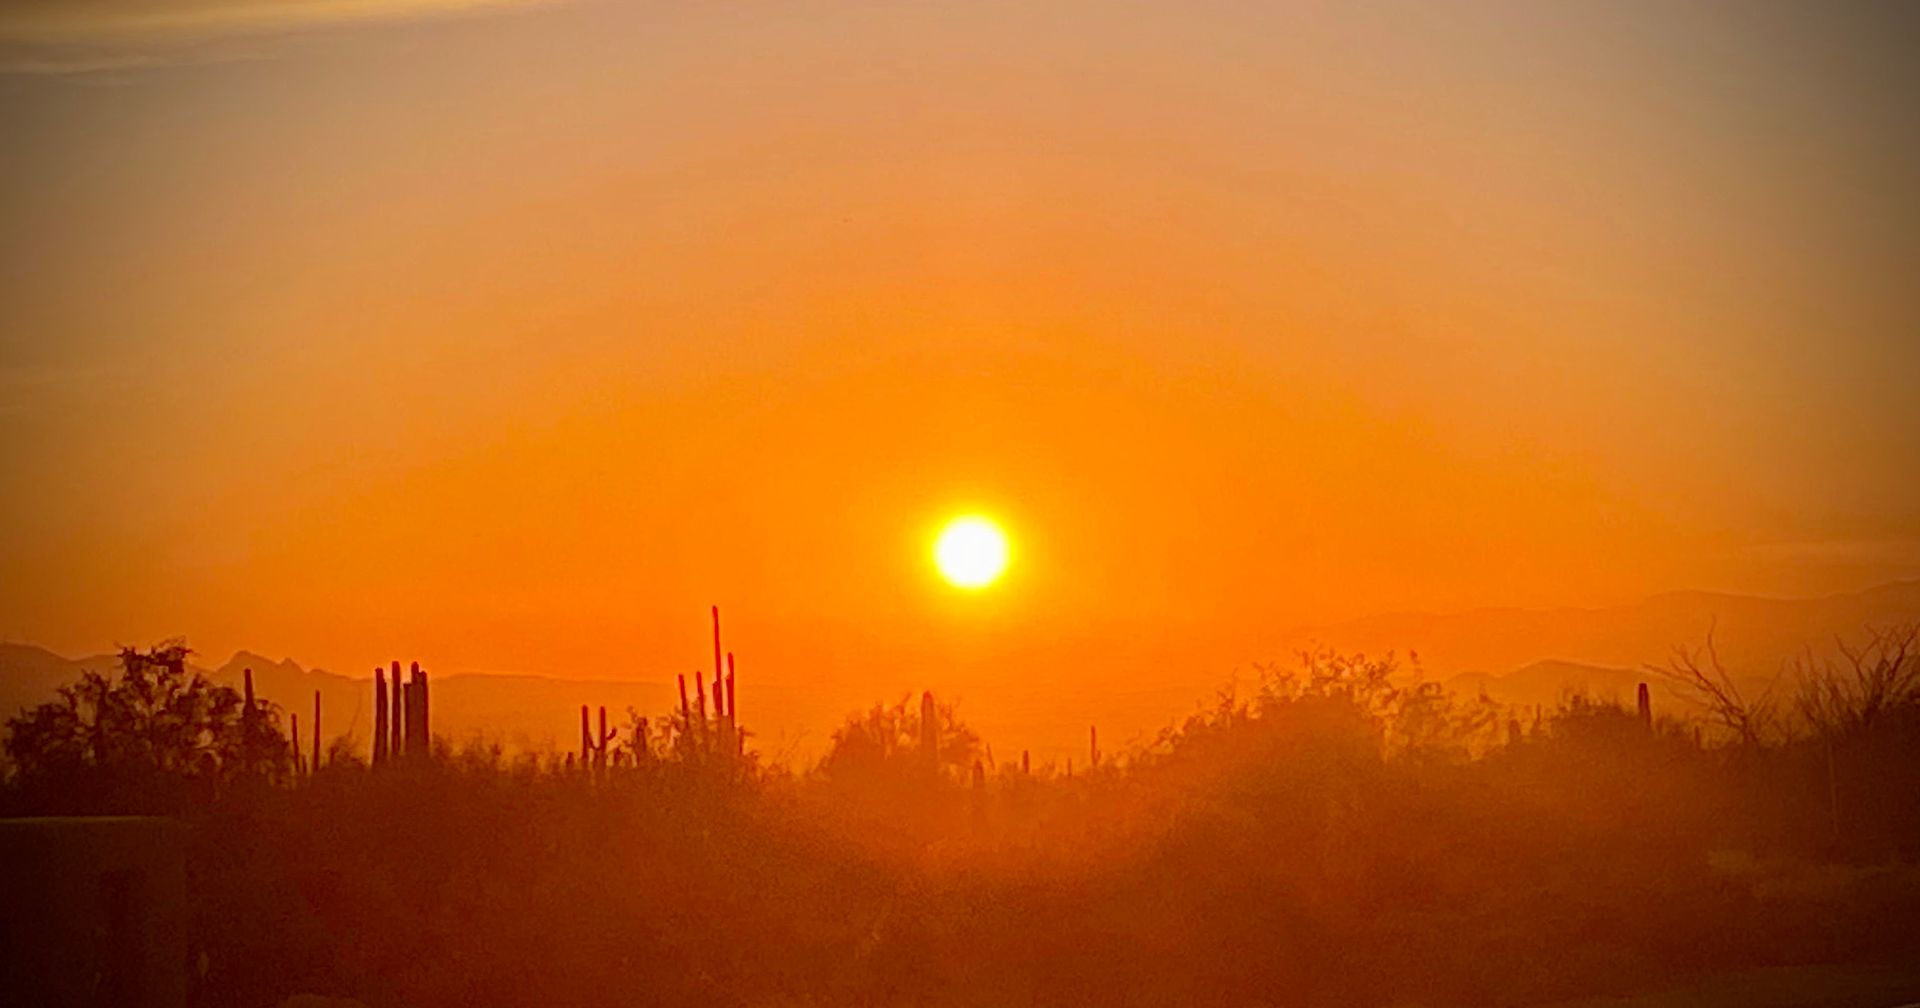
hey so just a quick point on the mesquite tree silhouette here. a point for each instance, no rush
(143, 739)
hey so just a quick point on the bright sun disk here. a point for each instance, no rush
(971, 552)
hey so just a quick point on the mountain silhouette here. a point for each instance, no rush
(1521, 657)
(521, 712)
(1755, 636)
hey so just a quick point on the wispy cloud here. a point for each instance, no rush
(1861, 552)
(94, 36)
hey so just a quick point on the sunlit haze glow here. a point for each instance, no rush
(512, 336)
(960, 503)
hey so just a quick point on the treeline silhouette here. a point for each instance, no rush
(1325, 836)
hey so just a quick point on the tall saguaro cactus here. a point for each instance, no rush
(316, 731)
(249, 723)
(700, 707)
(409, 698)
(419, 732)
(379, 716)
(600, 746)
(593, 745)
(723, 712)
(697, 738)
(1646, 707)
(402, 729)
(397, 745)
(733, 713)
(717, 670)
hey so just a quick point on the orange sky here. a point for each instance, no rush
(512, 335)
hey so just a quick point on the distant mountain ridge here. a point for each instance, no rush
(522, 712)
(1753, 635)
(1548, 684)
(1516, 656)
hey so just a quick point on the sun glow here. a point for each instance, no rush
(971, 552)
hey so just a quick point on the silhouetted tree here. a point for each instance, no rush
(892, 740)
(1700, 678)
(154, 719)
(1872, 681)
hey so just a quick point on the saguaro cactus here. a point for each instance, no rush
(606, 736)
(1646, 707)
(733, 712)
(593, 746)
(723, 713)
(409, 699)
(293, 722)
(249, 715)
(316, 731)
(717, 670)
(1093, 746)
(419, 733)
(397, 717)
(722, 718)
(700, 705)
(379, 716)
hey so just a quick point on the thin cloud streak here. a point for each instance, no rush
(1893, 552)
(63, 37)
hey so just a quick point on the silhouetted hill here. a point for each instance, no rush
(1548, 683)
(29, 675)
(346, 704)
(1755, 636)
(519, 712)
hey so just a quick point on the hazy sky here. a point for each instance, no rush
(511, 335)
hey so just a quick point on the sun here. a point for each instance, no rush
(971, 552)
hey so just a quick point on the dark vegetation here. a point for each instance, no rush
(1329, 838)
